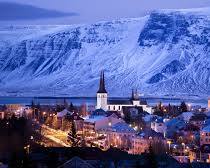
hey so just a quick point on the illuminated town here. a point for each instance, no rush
(129, 125)
(104, 84)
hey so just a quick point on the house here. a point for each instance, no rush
(205, 136)
(138, 145)
(2, 113)
(96, 122)
(186, 116)
(117, 105)
(200, 154)
(159, 126)
(198, 120)
(61, 116)
(119, 135)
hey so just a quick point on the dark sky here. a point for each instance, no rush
(94, 10)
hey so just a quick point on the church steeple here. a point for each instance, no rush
(134, 95)
(102, 84)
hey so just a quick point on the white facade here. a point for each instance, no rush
(102, 101)
(159, 127)
(103, 121)
(118, 107)
(102, 98)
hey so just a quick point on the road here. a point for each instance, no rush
(57, 136)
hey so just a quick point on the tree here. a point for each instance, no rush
(127, 116)
(65, 103)
(66, 124)
(59, 108)
(55, 122)
(159, 109)
(49, 121)
(72, 135)
(160, 106)
(183, 107)
(151, 158)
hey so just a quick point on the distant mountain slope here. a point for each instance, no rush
(166, 53)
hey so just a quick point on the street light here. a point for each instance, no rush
(169, 145)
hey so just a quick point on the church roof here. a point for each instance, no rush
(102, 84)
(123, 102)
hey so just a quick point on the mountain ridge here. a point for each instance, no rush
(165, 53)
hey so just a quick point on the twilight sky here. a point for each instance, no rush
(84, 11)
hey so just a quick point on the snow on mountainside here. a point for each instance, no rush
(165, 53)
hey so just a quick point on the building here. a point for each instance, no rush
(209, 104)
(205, 136)
(119, 135)
(95, 122)
(117, 105)
(198, 120)
(200, 154)
(138, 145)
(2, 115)
(61, 117)
(102, 94)
(159, 126)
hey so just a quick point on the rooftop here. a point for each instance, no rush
(93, 119)
(63, 113)
(121, 127)
(124, 102)
(206, 129)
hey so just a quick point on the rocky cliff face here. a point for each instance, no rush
(165, 53)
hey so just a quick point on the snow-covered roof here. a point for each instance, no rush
(175, 123)
(147, 118)
(122, 127)
(187, 114)
(206, 129)
(63, 113)
(93, 119)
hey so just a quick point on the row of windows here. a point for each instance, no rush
(138, 143)
(114, 108)
(207, 140)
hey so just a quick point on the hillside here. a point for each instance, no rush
(165, 53)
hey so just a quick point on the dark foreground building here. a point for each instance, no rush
(96, 158)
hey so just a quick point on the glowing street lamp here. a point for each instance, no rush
(135, 128)
(169, 144)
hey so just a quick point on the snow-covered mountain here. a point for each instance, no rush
(165, 53)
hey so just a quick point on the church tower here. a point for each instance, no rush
(102, 94)
(135, 98)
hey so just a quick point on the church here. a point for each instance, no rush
(117, 105)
